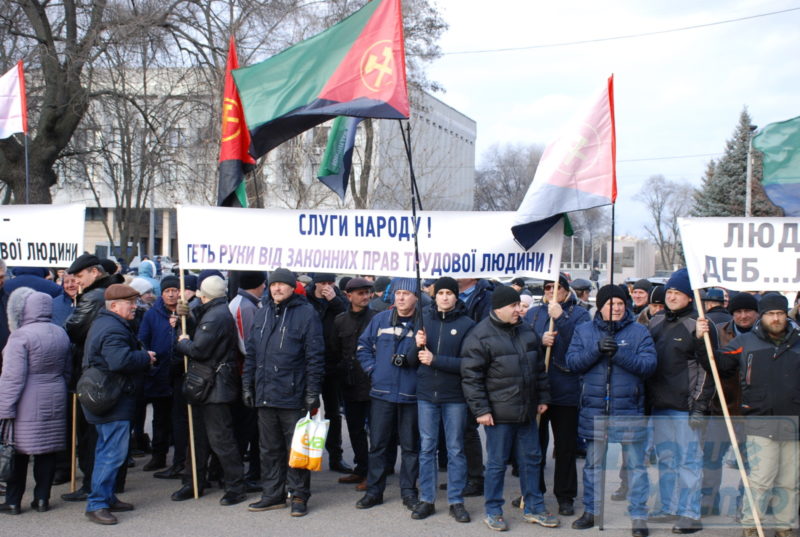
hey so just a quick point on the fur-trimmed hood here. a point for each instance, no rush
(28, 306)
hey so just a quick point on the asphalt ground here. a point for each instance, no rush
(331, 512)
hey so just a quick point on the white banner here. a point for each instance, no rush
(743, 254)
(458, 244)
(41, 235)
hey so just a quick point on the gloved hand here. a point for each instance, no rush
(248, 398)
(697, 416)
(312, 402)
(607, 346)
(182, 308)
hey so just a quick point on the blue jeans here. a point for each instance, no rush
(500, 438)
(454, 416)
(638, 483)
(111, 453)
(680, 463)
(385, 420)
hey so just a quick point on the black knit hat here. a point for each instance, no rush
(250, 279)
(772, 302)
(324, 277)
(606, 293)
(643, 284)
(282, 275)
(170, 282)
(502, 296)
(658, 294)
(446, 282)
(742, 301)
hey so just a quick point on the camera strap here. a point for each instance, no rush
(409, 325)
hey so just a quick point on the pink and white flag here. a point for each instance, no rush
(13, 109)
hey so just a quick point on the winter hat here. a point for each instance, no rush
(446, 282)
(213, 287)
(713, 295)
(579, 284)
(657, 295)
(518, 281)
(563, 283)
(358, 283)
(170, 282)
(381, 284)
(743, 301)
(428, 282)
(250, 279)
(120, 291)
(109, 265)
(643, 284)
(320, 277)
(282, 275)
(526, 299)
(502, 296)
(772, 302)
(344, 280)
(404, 284)
(205, 274)
(606, 293)
(680, 282)
(141, 285)
(84, 261)
(190, 282)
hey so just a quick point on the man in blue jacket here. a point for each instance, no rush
(111, 345)
(562, 412)
(283, 378)
(613, 355)
(440, 400)
(387, 353)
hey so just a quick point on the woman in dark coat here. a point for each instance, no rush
(33, 393)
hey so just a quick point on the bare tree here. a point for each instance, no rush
(666, 201)
(505, 175)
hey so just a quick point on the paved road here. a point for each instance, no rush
(331, 513)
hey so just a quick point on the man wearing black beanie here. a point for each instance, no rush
(506, 387)
(770, 355)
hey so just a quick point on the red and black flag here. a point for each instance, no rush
(234, 156)
(355, 68)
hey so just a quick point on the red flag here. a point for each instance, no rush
(234, 158)
(577, 171)
(13, 108)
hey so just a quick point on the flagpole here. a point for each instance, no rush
(611, 261)
(27, 174)
(748, 196)
(415, 199)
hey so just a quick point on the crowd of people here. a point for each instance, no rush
(414, 372)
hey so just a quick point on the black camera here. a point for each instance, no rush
(399, 360)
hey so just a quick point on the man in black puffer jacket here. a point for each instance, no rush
(440, 399)
(506, 386)
(282, 377)
(213, 344)
(93, 281)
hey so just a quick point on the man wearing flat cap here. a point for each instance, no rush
(347, 327)
(506, 387)
(112, 346)
(92, 281)
(282, 379)
(329, 301)
(768, 359)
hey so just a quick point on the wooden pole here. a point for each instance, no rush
(549, 350)
(189, 406)
(728, 423)
(73, 463)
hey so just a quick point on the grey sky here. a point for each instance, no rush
(677, 93)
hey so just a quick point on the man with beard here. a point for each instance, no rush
(768, 359)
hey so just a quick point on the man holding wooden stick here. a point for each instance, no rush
(768, 361)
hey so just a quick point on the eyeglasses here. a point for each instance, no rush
(548, 287)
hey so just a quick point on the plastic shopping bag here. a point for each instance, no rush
(316, 444)
(308, 442)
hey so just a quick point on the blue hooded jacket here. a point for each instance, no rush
(634, 361)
